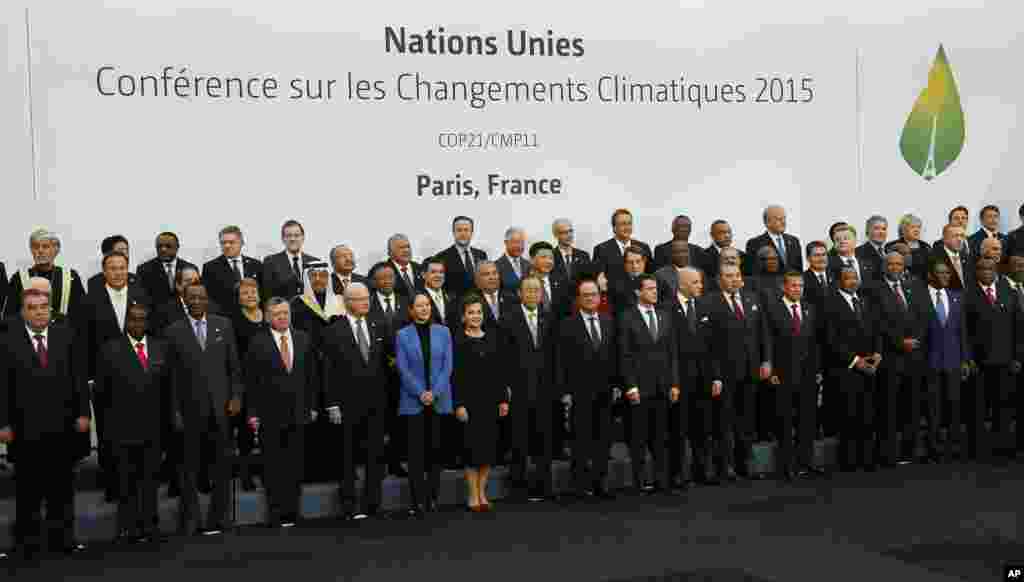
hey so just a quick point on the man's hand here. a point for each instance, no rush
(633, 395)
(766, 371)
(6, 435)
(673, 394)
(234, 407)
(503, 409)
(876, 360)
(254, 423)
(334, 415)
(82, 424)
(427, 398)
(775, 380)
(861, 364)
(462, 414)
(716, 388)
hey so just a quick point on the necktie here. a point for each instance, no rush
(652, 323)
(821, 279)
(140, 350)
(958, 266)
(362, 340)
(737, 307)
(567, 259)
(493, 301)
(238, 269)
(857, 307)
(545, 297)
(595, 334)
(405, 276)
(201, 333)
(940, 308)
(439, 298)
(990, 296)
(532, 320)
(781, 244)
(848, 261)
(295, 268)
(691, 316)
(44, 359)
(170, 275)
(796, 319)
(467, 259)
(899, 295)
(344, 284)
(286, 353)
(387, 301)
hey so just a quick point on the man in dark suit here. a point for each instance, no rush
(787, 245)
(157, 275)
(872, 252)
(206, 381)
(682, 226)
(690, 417)
(408, 273)
(570, 262)
(131, 378)
(855, 343)
(68, 294)
(734, 321)
(174, 309)
(948, 361)
(650, 371)
(1015, 277)
(791, 346)
(495, 301)
(1015, 239)
(527, 334)
(390, 311)
(609, 256)
(991, 308)
(846, 256)
(622, 292)
(958, 217)
(318, 306)
(282, 272)
(512, 266)
(443, 310)
(356, 351)
(460, 259)
(105, 315)
(817, 279)
(735, 257)
(556, 297)
(904, 312)
(958, 262)
(586, 368)
(221, 275)
(115, 243)
(668, 274)
(721, 239)
(989, 217)
(44, 410)
(282, 388)
(343, 261)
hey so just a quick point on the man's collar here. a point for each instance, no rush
(45, 332)
(194, 320)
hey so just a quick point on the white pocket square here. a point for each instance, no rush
(705, 318)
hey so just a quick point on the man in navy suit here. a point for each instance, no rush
(570, 262)
(989, 217)
(512, 266)
(787, 245)
(157, 274)
(948, 360)
(282, 272)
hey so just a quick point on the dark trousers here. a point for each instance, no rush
(684, 422)
(798, 394)
(999, 384)
(857, 416)
(943, 392)
(283, 467)
(212, 435)
(245, 439)
(44, 472)
(532, 421)
(592, 420)
(744, 400)
(137, 466)
(424, 439)
(1020, 412)
(988, 388)
(648, 427)
(106, 455)
(898, 400)
(369, 425)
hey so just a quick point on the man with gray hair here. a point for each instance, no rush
(512, 266)
(787, 245)
(570, 261)
(408, 273)
(872, 252)
(343, 261)
(222, 274)
(68, 295)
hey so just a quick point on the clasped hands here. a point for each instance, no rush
(868, 364)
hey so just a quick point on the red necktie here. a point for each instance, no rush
(737, 306)
(140, 349)
(990, 296)
(44, 360)
(796, 319)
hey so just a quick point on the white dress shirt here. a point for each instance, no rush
(789, 305)
(384, 304)
(32, 336)
(291, 345)
(623, 245)
(119, 299)
(438, 296)
(933, 292)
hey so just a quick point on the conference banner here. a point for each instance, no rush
(397, 116)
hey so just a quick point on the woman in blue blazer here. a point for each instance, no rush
(425, 394)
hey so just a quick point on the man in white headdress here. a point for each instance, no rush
(318, 306)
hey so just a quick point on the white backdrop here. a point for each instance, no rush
(347, 170)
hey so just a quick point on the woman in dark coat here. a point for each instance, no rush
(480, 398)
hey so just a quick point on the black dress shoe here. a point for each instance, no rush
(209, 531)
(74, 548)
(729, 474)
(817, 471)
(415, 512)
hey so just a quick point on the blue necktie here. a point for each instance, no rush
(201, 333)
(781, 243)
(940, 308)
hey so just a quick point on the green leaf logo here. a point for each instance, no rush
(933, 136)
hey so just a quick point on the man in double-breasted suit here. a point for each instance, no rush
(207, 386)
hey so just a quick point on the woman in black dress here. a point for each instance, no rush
(480, 398)
(247, 321)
